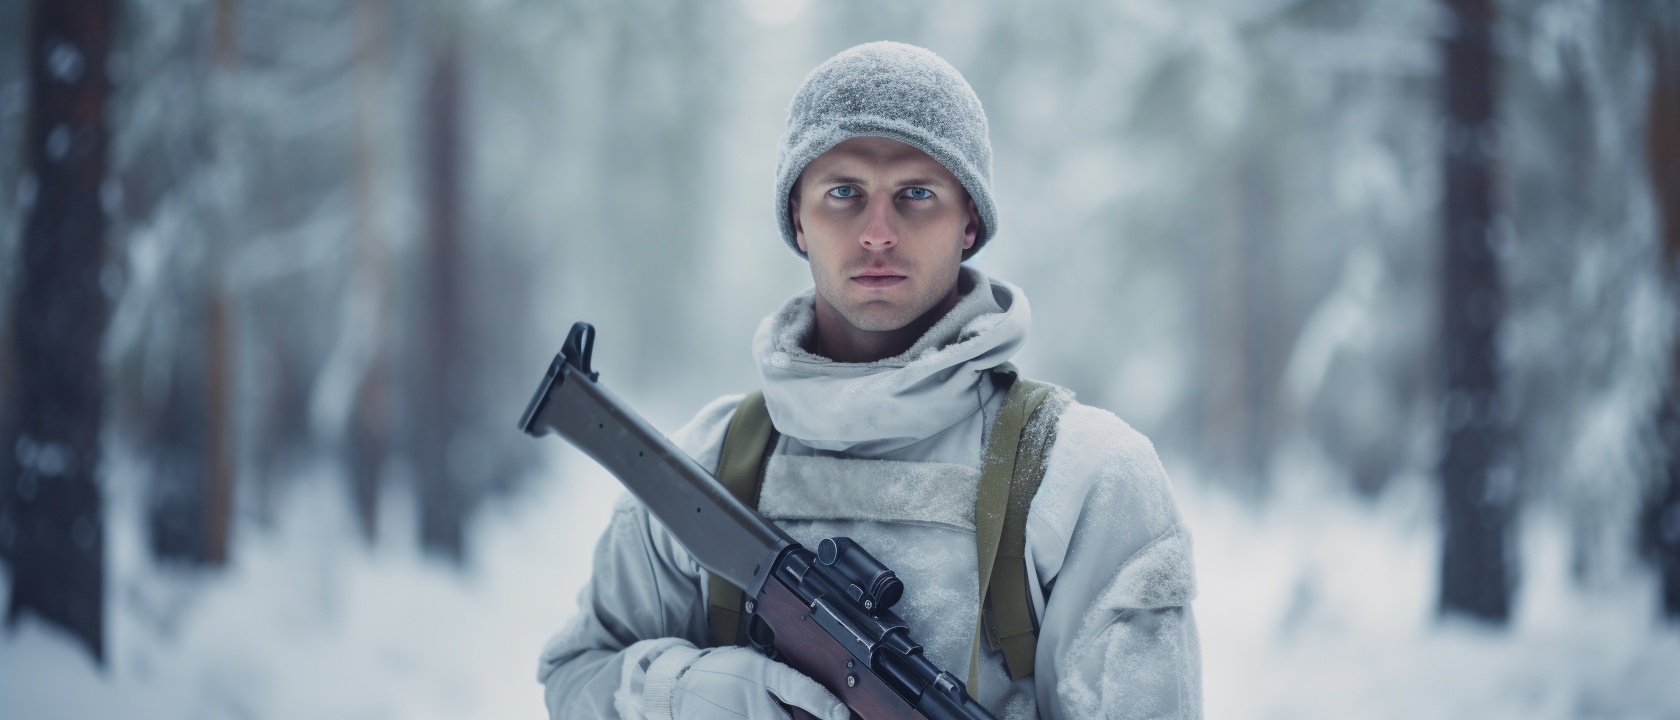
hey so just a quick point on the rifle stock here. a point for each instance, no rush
(805, 646)
(826, 613)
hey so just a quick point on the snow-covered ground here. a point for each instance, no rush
(311, 623)
(1313, 607)
(1324, 608)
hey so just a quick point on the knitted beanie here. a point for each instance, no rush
(896, 91)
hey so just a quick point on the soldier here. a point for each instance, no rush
(883, 384)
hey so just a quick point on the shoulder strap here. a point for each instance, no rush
(746, 444)
(1012, 470)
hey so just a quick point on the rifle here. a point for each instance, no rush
(826, 614)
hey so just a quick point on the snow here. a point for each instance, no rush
(1323, 607)
(1144, 150)
(806, 487)
(1313, 605)
(311, 623)
(65, 62)
(855, 407)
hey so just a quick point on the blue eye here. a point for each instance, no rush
(916, 193)
(844, 191)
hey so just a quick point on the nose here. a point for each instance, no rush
(879, 233)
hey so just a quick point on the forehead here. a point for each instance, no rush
(875, 156)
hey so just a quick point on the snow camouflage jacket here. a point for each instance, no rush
(889, 453)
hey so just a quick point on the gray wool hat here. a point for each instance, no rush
(896, 91)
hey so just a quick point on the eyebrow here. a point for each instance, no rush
(849, 180)
(841, 179)
(921, 181)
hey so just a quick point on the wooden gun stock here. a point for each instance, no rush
(826, 614)
(805, 646)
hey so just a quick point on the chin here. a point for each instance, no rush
(880, 319)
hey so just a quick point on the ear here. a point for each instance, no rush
(972, 232)
(798, 227)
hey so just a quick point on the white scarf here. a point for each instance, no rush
(891, 403)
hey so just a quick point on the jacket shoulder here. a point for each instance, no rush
(1102, 471)
(1095, 444)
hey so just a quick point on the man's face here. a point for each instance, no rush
(885, 226)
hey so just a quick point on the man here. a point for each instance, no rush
(880, 381)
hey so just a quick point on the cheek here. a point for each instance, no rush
(829, 230)
(811, 226)
(822, 260)
(826, 220)
(947, 228)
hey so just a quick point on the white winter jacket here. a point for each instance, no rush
(889, 453)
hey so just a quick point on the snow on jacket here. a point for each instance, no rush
(889, 454)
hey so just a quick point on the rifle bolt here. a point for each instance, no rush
(851, 681)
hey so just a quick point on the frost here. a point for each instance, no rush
(311, 623)
(58, 142)
(65, 62)
(49, 459)
(893, 402)
(828, 488)
(1225, 215)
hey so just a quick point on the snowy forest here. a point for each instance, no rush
(1391, 285)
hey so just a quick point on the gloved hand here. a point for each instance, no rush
(682, 682)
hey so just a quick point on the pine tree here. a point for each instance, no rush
(1660, 529)
(55, 543)
(1478, 484)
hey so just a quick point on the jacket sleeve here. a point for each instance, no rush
(1118, 638)
(644, 591)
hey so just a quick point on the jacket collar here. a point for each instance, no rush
(898, 401)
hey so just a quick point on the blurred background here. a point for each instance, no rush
(1391, 285)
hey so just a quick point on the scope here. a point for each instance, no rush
(868, 581)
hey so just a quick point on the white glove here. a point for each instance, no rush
(682, 682)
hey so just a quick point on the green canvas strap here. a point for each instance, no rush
(1008, 606)
(1000, 517)
(746, 445)
(1012, 469)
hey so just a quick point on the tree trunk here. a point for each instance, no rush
(441, 366)
(218, 378)
(1478, 482)
(370, 421)
(1660, 529)
(191, 494)
(56, 547)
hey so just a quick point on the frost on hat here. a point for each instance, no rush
(896, 91)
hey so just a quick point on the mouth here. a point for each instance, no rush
(878, 278)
